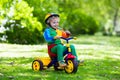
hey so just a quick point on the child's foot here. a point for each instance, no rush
(62, 64)
(80, 62)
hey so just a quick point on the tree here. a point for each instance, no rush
(113, 11)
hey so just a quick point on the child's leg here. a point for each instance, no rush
(58, 49)
(73, 51)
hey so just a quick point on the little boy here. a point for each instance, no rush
(52, 36)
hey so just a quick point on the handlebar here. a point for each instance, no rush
(67, 39)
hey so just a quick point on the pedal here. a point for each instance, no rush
(60, 67)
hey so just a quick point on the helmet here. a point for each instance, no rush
(50, 15)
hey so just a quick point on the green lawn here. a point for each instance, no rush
(101, 55)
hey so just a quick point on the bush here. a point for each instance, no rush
(23, 35)
(80, 23)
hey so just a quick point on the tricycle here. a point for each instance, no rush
(42, 63)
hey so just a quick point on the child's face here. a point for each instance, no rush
(54, 22)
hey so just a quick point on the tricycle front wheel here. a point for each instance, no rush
(72, 66)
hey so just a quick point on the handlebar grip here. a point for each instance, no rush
(74, 38)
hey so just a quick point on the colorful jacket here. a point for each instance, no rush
(50, 33)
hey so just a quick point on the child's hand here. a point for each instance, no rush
(57, 37)
(68, 32)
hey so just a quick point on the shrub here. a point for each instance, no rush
(23, 35)
(80, 23)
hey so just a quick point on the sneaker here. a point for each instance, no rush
(62, 64)
(80, 62)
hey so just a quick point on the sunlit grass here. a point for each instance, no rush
(101, 55)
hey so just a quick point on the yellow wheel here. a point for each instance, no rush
(71, 67)
(37, 65)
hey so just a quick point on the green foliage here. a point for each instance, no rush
(23, 35)
(41, 8)
(80, 16)
(80, 23)
(29, 37)
(23, 28)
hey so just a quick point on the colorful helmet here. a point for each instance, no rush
(50, 15)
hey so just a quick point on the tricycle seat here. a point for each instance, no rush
(51, 55)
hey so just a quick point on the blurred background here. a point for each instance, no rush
(22, 21)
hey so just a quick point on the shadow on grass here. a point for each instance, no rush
(20, 69)
(105, 69)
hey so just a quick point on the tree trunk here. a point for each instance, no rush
(115, 18)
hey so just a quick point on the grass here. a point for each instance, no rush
(101, 55)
